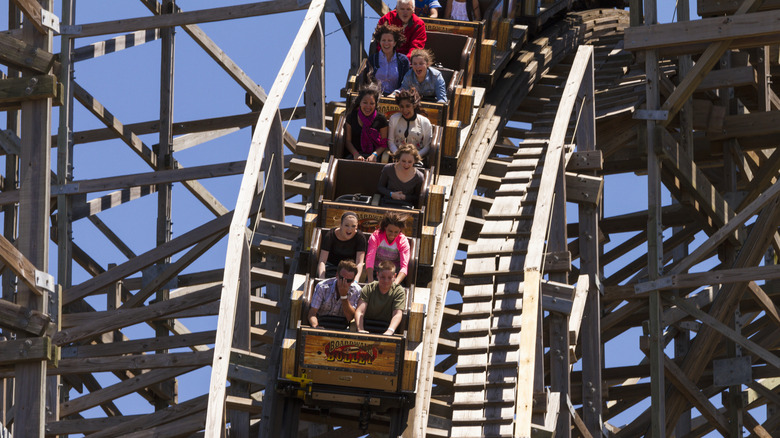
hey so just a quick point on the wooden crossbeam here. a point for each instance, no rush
(28, 88)
(131, 362)
(726, 331)
(705, 30)
(705, 63)
(102, 322)
(115, 44)
(694, 396)
(715, 208)
(120, 389)
(19, 318)
(185, 18)
(17, 53)
(189, 408)
(32, 11)
(722, 276)
(18, 264)
(722, 234)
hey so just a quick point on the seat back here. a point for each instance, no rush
(448, 49)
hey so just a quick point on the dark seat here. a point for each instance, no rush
(453, 51)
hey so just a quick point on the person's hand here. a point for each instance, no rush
(342, 287)
(371, 158)
(399, 195)
(360, 158)
(389, 332)
(362, 331)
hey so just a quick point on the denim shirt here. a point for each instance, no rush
(387, 73)
(432, 86)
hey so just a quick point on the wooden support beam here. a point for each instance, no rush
(694, 396)
(190, 408)
(722, 234)
(19, 265)
(115, 44)
(705, 63)
(19, 318)
(28, 88)
(120, 389)
(705, 30)
(102, 322)
(185, 18)
(32, 11)
(17, 53)
(722, 276)
(25, 350)
(712, 205)
(132, 362)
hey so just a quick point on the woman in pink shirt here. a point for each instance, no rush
(389, 243)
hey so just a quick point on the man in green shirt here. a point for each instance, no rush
(381, 305)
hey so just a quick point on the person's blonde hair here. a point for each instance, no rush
(425, 53)
(410, 149)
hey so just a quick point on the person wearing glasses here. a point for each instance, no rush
(334, 300)
(382, 303)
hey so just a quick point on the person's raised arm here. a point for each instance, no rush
(342, 287)
(398, 314)
(359, 314)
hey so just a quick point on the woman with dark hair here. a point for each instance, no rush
(408, 126)
(388, 65)
(400, 182)
(427, 80)
(389, 243)
(365, 135)
(345, 242)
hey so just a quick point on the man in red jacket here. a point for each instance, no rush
(414, 28)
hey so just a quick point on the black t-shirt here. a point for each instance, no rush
(339, 250)
(380, 121)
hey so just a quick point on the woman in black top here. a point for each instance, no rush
(343, 242)
(400, 182)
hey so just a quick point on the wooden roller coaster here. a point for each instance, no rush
(524, 318)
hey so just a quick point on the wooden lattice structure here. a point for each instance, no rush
(522, 300)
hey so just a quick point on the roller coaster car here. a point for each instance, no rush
(328, 368)
(433, 156)
(492, 34)
(346, 177)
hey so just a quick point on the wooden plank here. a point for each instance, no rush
(722, 276)
(113, 319)
(25, 350)
(138, 345)
(16, 317)
(32, 11)
(723, 233)
(526, 359)
(705, 63)
(171, 414)
(117, 390)
(148, 178)
(132, 362)
(116, 44)
(28, 88)
(18, 264)
(695, 397)
(705, 30)
(185, 18)
(17, 53)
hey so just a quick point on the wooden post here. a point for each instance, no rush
(654, 239)
(165, 191)
(315, 86)
(356, 31)
(34, 206)
(590, 332)
(239, 420)
(10, 221)
(560, 379)
(682, 340)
